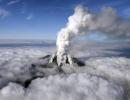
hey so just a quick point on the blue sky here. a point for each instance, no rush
(42, 19)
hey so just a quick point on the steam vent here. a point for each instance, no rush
(51, 62)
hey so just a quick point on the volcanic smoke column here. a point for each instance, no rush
(84, 22)
(74, 26)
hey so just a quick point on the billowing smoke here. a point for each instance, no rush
(84, 22)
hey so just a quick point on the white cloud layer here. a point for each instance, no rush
(30, 16)
(103, 77)
(4, 13)
(13, 2)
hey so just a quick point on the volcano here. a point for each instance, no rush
(66, 60)
(51, 62)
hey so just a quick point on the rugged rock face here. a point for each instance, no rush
(66, 59)
(48, 65)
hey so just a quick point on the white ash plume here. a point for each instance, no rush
(84, 22)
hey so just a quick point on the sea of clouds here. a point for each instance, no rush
(106, 75)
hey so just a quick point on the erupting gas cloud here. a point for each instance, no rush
(84, 22)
